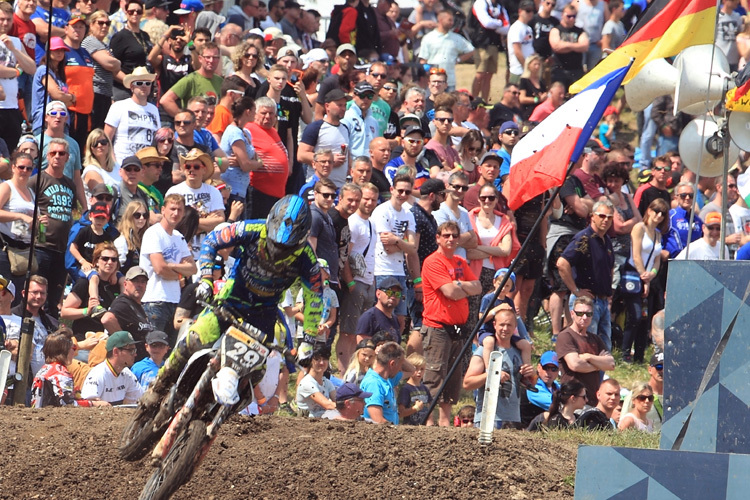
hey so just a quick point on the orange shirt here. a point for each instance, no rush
(222, 118)
(438, 270)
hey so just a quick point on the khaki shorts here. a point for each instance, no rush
(485, 60)
(440, 352)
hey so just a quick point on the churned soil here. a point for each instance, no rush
(71, 453)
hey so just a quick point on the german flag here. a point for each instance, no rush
(664, 29)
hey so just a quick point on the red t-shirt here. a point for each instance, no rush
(26, 32)
(439, 310)
(271, 179)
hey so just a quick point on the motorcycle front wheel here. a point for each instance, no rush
(178, 466)
(139, 435)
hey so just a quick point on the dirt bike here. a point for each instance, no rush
(190, 416)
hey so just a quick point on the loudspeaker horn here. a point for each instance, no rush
(702, 148)
(657, 78)
(703, 79)
(739, 129)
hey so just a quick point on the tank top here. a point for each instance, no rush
(486, 235)
(569, 60)
(647, 244)
(17, 230)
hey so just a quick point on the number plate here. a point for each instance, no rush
(245, 350)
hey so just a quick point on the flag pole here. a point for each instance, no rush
(511, 268)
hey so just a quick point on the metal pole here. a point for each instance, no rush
(512, 266)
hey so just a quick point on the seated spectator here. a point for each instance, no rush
(636, 407)
(157, 346)
(414, 397)
(53, 384)
(381, 316)
(601, 416)
(44, 323)
(381, 380)
(465, 417)
(534, 403)
(111, 380)
(363, 359)
(127, 313)
(350, 403)
(315, 393)
(132, 227)
(153, 166)
(561, 414)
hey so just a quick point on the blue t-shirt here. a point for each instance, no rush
(236, 179)
(392, 167)
(60, 18)
(37, 96)
(383, 394)
(743, 253)
(145, 371)
(206, 139)
(603, 129)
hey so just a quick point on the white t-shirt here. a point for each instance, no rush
(740, 218)
(307, 388)
(523, 34)
(173, 248)
(102, 383)
(135, 124)
(701, 250)
(12, 332)
(205, 199)
(445, 214)
(10, 85)
(385, 218)
(364, 236)
(110, 179)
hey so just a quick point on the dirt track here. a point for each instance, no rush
(70, 453)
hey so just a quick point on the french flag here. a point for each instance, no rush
(540, 160)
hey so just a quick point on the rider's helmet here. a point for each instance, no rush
(287, 226)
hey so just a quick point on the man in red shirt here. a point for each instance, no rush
(447, 282)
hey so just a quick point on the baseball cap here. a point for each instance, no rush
(335, 95)
(350, 391)
(490, 155)
(503, 272)
(366, 344)
(479, 103)
(272, 33)
(549, 358)
(363, 87)
(99, 209)
(409, 117)
(432, 186)
(509, 125)
(413, 129)
(188, 6)
(526, 5)
(657, 359)
(712, 218)
(157, 337)
(344, 47)
(593, 146)
(55, 105)
(120, 339)
(389, 282)
(130, 161)
(610, 110)
(75, 18)
(135, 272)
(99, 189)
(8, 285)
(153, 4)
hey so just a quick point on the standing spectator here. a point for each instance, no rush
(237, 141)
(520, 40)
(554, 99)
(99, 163)
(414, 397)
(380, 155)
(292, 14)
(13, 60)
(57, 89)
(165, 256)
(152, 163)
(442, 47)
(111, 380)
(591, 18)
(542, 24)
(470, 149)
(79, 75)
(248, 61)
(488, 22)
(377, 76)
(315, 392)
(132, 123)
(275, 13)
(368, 34)
(708, 247)
(231, 92)
(322, 236)
(448, 282)
(131, 46)
(380, 318)
(361, 171)
(245, 14)
(169, 61)
(346, 57)
(184, 140)
(729, 24)
(157, 346)
(131, 172)
(569, 44)
(202, 82)
(588, 173)
(414, 157)
(451, 210)
(44, 323)
(322, 165)
(56, 195)
(680, 218)
(359, 120)
(489, 168)
(656, 382)
(583, 354)
(508, 138)
(442, 144)
(532, 85)
(267, 184)
(657, 187)
(381, 381)
(390, 35)
(127, 313)
(105, 66)
(508, 109)
(586, 265)
(613, 33)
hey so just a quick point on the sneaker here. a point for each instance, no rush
(97, 312)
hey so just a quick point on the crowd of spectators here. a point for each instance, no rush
(136, 131)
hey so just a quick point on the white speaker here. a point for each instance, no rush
(657, 78)
(701, 148)
(739, 129)
(703, 79)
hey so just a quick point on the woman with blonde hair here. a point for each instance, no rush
(99, 162)
(532, 86)
(248, 63)
(637, 406)
(133, 224)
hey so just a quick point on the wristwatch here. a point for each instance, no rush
(458, 284)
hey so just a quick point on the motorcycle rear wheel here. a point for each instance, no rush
(177, 467)
(139, 436)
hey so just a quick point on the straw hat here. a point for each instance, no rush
(149, 155)
(139, 74)
(197, 154)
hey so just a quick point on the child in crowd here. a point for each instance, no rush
(414, 398)
(607, 127)
(330, 307)
(157, 346)
(82, 249)
(465, 417)
(486, 334)
(364, 358)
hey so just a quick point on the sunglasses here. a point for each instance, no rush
(713, 228)
(140, 215)
(379, 75)
(108, 259)
(467, 420)
(192, 166)
(510, 132)
(659, 367)
(133, 12)
(367, 96)
(459, 187)
(58, 153)
(731, 186)
(183, 123)
(142, 83)
(581, 314)
(604, 216)
(101, 142)
(661, 169)
(250, 56)
(584, 396)
(61, 114)
(403, 192)
(444, 120)
(550, 368)
(570, 16)
(132, 168)
(488, 198)
(645, 398)
(23, 168)
(413, 142)
(685, 196)
(448, 236)
(167, 140)
(392, 293)
(103, 23)
(327, 196)
(389, 88)
(104, 197)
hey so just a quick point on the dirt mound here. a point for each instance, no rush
(71, 453)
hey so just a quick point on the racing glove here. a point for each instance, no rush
(205, 290)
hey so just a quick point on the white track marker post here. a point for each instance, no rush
(4, 367)
(491, 389)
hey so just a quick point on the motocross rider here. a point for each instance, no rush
(269, 257)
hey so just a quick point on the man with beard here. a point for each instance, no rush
(170, 62)
(411, 157)
(127, 313)
(414, 102)
(451, 210)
